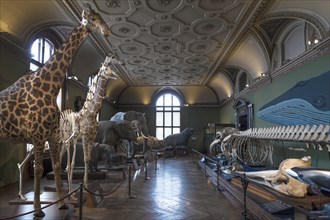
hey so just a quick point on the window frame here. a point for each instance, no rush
(167, 110)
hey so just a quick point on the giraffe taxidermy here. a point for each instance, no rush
(83, 123)
(28, 110)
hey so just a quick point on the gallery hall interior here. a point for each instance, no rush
(165, 109)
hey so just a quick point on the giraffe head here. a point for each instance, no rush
(95, 20)
(106, 70)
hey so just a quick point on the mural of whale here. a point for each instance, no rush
(307, 103)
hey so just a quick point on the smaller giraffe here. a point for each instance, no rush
(82, 125)
(69, 127)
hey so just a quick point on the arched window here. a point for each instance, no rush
(41, 50)
(167, 115)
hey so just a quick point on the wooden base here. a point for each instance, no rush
(45, 198)
(309, 202)
(79, 174)
(65, 188)
(94, 200)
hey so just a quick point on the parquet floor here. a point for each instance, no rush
(177, 189)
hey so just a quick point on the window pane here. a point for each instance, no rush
(176, 118)
(168, 131)
(168, 119)
(160, 108)
(167, 108)
(49, 50)
(159, 119)
(176, 108)
(33, 67)
(176, 101)
(168, 99)
(35, 50)
(176, 130)
(160, 101)
(159, 133)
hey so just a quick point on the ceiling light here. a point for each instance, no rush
(313, 39)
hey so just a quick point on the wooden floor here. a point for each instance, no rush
(177, 189)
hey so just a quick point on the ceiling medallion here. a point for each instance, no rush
(201, 46)
(208, 27)
(112, 3)
(130, 49)
(137, 2)
(166, 28)
(166, 47)
(165, 61)
(164, 2)
(124, 30)
(196, 60)
(217, 1)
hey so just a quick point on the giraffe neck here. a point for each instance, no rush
(56, 67)
(95, 95)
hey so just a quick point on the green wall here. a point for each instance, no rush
(286, 82)
(265, 94)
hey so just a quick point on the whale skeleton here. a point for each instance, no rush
(309, 133)
(254, 147)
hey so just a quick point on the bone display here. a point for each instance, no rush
(279, 180)
(318, 179)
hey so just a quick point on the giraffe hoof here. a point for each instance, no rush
(39, 214)
(64, 206)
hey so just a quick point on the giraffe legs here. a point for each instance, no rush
(71, 167)
(38, 171)
(54, 146)
(87, 147)
(21, 169)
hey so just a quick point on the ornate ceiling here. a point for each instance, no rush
(171, 42)
(195, 47)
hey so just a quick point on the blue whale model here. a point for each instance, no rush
(318, 179)
(307, 103)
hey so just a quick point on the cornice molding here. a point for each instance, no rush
(258, 7)
(13, 44)
(320, 50)
(301, 16)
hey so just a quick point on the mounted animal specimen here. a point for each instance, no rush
(280, 180)
(133, 116)
(111, 133)
(83, 123)
(318, 179)
(28, 110)
(179, 139)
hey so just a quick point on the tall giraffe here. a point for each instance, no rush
(28, 110)
(84, 124)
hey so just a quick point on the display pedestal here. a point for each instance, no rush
(79, 174)
(95, 199)
(65, 188)
(45, 198)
